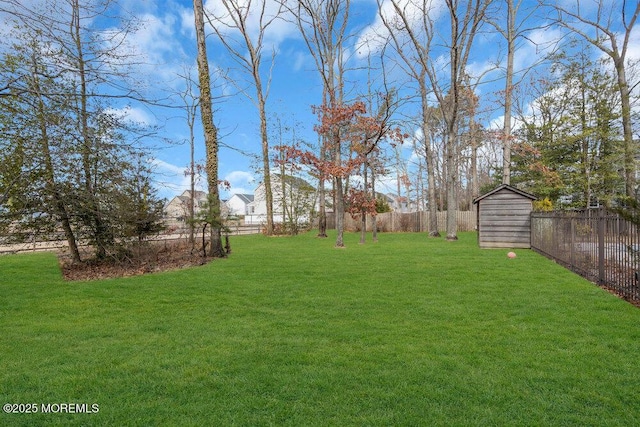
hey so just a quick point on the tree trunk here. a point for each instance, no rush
(52, 188)
(322, 204)
(430, 161)
(363, 214)
(452, 185)
(265, 159)
(508, 93)
(191, 117)
(475, 185)
(102, 236)
(210, 133)
(630, 150)
(339, 211)
(192, 186)
(374, 220)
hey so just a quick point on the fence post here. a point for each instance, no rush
(572, 240)
(601, 229)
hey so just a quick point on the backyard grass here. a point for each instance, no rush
(291, 331)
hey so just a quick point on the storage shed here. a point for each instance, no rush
(504, 218)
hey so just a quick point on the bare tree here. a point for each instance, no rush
(512, 30)
(210, 134)
(323, 25)
(78, 72)
(597, 28)
(52, 186)
(465, 19)
(251, 20)
(190, 102)
(410, 31)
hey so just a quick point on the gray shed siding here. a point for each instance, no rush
(504, 220)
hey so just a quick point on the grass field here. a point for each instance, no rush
(292, 331)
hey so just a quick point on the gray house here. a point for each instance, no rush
(504, 218)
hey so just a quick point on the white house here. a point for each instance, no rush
(240, 204)
(401, 203)
(296, 201)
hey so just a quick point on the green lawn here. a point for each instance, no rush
(292, 331)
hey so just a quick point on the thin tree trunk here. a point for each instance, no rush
(452, 186)
(265, 158)
(363, 214)
(374, 220)
(101, 233)
(473, 128)
(339, 186)
(630, 149)
(52, 188)
(192, 186)
(431, 173)
(508, 93)
(322, 205)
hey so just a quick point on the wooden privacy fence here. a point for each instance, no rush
(600, 246)
(409, 222)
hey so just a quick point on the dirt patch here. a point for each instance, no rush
(143, 259)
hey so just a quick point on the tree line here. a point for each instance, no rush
(68, 159)
(567, 132)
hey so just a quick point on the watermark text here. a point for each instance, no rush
(51, 408)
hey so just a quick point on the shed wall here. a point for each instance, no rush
(504, 221)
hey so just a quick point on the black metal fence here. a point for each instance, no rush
(598, 245)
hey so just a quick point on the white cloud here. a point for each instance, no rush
(159, 45)
(278, 30)
(157, 37)
(478, 69)
(242, 182)
(374, 36)
(168, 167)
(132, 115)
(170, 179)
(536, 46)
(187, 23)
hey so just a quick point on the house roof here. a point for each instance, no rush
(293, 181)
(198, 194)
(184, 197)
(505, 187)
(247, 198)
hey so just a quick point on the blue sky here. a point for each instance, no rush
(168, 39)
(166, 44)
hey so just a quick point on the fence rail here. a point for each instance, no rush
(174, 235)
(386, 222)
(598, 245)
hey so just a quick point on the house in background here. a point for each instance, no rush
(400, 204)
(295, 201)
(240, 204)
(176, 212)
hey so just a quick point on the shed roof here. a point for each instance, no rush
(505, 187)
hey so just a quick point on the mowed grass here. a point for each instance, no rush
(291, 331)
